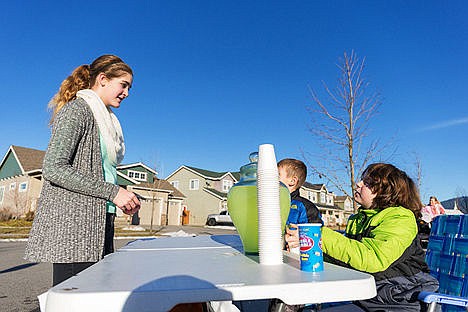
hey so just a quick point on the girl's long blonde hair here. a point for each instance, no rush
(84, 77)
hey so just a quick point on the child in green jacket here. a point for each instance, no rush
(381, 239)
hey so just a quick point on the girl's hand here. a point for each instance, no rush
(292, 236)
(126, 201)
(131, 212)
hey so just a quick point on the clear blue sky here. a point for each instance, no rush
(214, 79)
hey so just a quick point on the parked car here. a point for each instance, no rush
(219, 218)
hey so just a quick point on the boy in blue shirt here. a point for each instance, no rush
(293, 173)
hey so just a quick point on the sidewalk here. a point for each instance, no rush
(123, 231)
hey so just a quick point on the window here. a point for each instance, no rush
(194, 184)
(224, 206)
(12, 186)
(175, 184)
(227, 184)
(322, 198)
(137, 175)
(2, 192)
(23, 187)
(347, 205)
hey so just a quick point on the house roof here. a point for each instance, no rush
(223, 195)
(236, 175)
(161, 184)
(316, 187)
(28, 159)
(138, 164)
(208, 173)
(217, 193)
(321, 206)
(341, 198)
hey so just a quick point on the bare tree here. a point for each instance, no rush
(17, 201)
(419, 175)
(340, 126)
(154, 198)
(153, 192)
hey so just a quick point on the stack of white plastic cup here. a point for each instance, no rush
(270, 242)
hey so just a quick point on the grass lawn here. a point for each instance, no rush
(15, 228)
(21, 228)
(16, 223)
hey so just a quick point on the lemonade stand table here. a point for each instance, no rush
(155, 275)
(172, 243)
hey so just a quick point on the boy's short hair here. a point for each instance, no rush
(294, 167)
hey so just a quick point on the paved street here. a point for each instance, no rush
(21, 282)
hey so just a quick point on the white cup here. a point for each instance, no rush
(266, 158)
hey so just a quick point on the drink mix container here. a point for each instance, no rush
(242, 205)
(310, 247)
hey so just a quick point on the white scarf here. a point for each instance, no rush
(109, 125)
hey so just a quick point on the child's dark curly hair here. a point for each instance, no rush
(392, 187)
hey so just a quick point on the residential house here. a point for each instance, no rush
(205, 191)
(346, 203)
(20, 180)
(21, 183)
(161, 203)
(332, 215)
(459, 205)
(454, 211)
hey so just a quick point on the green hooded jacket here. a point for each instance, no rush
(375, 238)
(385, 244)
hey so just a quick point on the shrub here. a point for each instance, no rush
(29, 216)
(5, 215)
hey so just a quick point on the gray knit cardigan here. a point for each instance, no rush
(70, 219)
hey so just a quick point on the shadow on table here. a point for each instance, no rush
(233, 241)
(160, 294)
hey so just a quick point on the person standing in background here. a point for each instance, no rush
(74, 223)
(432, 210)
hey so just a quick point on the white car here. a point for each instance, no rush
(222, 218)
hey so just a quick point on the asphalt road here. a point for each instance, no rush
(21, 282)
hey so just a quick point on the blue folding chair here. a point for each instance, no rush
(447, 258)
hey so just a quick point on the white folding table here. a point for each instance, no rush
(157, 274)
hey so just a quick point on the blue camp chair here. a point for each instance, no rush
(447, 258)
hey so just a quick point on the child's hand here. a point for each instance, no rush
(292, 236)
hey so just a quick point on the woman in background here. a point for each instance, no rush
(73, 227)
(432, 210)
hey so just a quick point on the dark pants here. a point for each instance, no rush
(63, 271)
(344, 308)
(109, 236)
